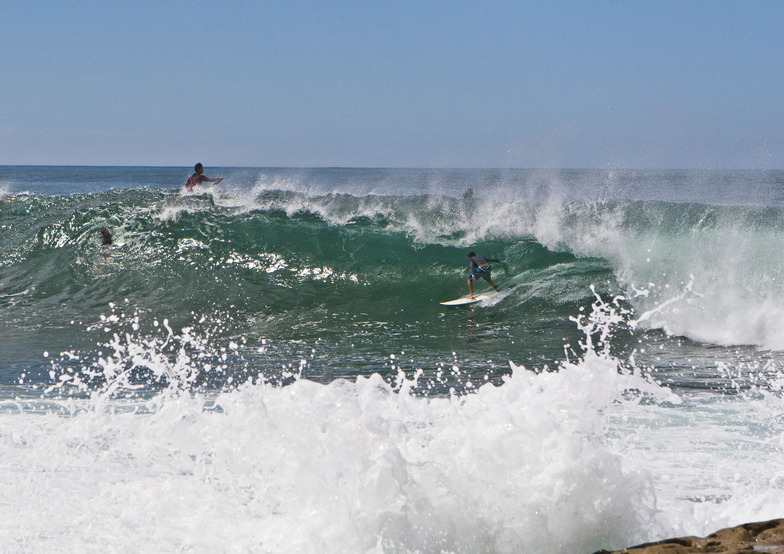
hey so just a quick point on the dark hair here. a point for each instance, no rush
(107, 235)
(472, 254)
(197, 166)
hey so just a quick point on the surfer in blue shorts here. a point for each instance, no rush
(480, 269)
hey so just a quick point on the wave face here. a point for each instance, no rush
(357, 274)
(356, 278)
(274, 346)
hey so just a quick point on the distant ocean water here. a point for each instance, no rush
(265, 366)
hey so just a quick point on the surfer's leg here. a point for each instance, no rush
(470, 287)
(489, 280)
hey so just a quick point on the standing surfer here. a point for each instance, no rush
(198, 178)
(480, 268)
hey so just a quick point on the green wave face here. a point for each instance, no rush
(340, 280)
(343, 282)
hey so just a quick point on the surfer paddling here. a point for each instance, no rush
(480, 268)
(198, 178)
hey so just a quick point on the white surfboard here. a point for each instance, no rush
(477, 298)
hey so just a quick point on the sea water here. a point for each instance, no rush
(264, 365)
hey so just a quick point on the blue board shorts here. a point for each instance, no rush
(480, 272)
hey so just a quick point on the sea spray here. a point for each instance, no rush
(363, 466)
(725, 260)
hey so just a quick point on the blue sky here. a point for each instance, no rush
(588, 84)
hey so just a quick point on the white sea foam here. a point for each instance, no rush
(344, 467)
(594, 455)
(4, 191)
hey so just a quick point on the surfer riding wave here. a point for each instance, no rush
(480, 268)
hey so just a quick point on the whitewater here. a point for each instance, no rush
(264, 365)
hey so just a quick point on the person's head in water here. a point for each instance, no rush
(107, 235)
(471, 254)
(198, 168)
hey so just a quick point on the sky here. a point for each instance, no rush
(691, 84)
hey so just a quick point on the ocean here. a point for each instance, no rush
(264, 365)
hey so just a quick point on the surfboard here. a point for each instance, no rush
(477, 298)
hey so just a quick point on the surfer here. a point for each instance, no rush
(480, 268)
(107, 237)
(198, 178)
(103, 255)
